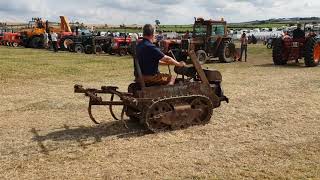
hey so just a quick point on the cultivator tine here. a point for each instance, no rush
(111, 110)
(90, 114)
(122, 117)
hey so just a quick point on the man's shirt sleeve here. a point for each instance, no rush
(156, 53)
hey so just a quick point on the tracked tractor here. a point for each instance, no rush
(209, 40)
(161, 108)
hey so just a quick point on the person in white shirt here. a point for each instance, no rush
(134, 37)
(54, 39)
(45, 39)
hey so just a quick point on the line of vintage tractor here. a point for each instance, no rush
(208, 40)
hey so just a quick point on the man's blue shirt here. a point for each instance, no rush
(148, 56)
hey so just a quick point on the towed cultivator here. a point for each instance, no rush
(160, 108)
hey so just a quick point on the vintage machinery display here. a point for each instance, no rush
(289, 49)
(33, 35)
(11, 39)
(120, 45)
(160, 108)
(209, 40)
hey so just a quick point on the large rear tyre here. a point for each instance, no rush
(312, 52)
(277, 53)
(226, 52)
(88, 49)
(35, 42)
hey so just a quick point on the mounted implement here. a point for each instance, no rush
(160, 108)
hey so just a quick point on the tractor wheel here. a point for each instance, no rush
(106, 48)
(78, 48)
(123, 52)
(88, 49)
(226, 52)
(277, 53)
(312, 52)
(269, 46)
(98, 49)
(35, 42)
(67, 43)
(15, 44)
(202, 56)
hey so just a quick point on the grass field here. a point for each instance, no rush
(269, 130)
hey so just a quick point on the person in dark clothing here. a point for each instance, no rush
(149, 57)
(244, 47)
(298, 33)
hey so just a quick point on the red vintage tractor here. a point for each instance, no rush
(1, 38)
(210, 39)
(289, 49)
(12, 39)
(120, 45)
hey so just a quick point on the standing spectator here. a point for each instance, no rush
(54, 38)
(244, 46)
(46, 39)
(160, 37)
(186, 35)
(298, 33)
(134, 39)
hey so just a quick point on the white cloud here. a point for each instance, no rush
(146, 11)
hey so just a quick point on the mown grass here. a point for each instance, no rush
(36, 64)
(269, 130)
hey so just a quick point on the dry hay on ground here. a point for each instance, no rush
(270, 129)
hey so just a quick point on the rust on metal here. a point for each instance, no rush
(160, 108)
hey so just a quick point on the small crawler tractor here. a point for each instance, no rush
(161, 108)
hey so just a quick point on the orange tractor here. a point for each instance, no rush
(288, 49)
(33, 36)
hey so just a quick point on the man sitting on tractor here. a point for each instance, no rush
(149, 58)
(298, 33)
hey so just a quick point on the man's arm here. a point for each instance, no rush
(167, 60)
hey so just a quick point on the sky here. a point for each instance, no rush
(147, 11)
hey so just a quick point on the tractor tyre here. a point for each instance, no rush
(269, 46)
(202, 56)
(35, 42)
(106, 48)
(98, 49)
(277, 53)
(78, 48)
(312, 52)
(15, 44)
(122, 52)
(227, 52)
(67, 43)
(88, 49)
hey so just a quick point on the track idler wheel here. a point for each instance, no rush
(153, 116)
(205, 105)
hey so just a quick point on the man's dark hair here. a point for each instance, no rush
(148, 30)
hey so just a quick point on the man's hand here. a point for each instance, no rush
(182, 64)
(167, 60)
